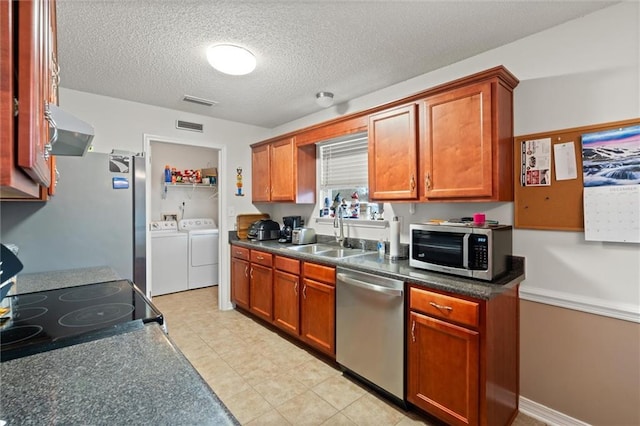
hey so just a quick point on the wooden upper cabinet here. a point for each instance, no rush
(260, 174)
(452, 142)
(283, 172)
(457, 154)
(466, 143)
(27, 59)
(393, 153)
(33, 88)
(283, 168)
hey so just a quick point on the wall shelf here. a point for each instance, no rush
(210, 186)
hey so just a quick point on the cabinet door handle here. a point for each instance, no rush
(55, 74)
(295, 288)
(251, 273)
(246, 271)
(49, 118)
(441, 307)
(259, 257)
(412, 183)
(413, 330)
(304, 291)
(427, 181)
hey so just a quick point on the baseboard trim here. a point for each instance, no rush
(622, 311)
(548, 415)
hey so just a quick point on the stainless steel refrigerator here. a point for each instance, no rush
(89, 222)
(138, 176)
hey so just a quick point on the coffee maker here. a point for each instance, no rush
(290, 223)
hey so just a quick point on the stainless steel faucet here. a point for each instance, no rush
(338, 222)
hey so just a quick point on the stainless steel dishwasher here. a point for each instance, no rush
(370, 329)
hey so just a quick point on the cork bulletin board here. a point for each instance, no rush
(550, 203)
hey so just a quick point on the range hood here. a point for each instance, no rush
(74, 135)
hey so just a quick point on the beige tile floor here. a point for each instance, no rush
(265, 379)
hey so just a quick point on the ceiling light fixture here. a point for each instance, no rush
(324, 99)
(231, 59)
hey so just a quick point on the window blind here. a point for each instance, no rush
(345, 164)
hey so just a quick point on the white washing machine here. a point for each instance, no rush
(203, 251)
(169, 258)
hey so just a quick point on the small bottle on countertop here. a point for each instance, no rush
(381, 249)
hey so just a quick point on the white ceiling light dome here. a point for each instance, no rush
(324, 99)
(231, 59)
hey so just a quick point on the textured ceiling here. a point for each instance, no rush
(153, 51)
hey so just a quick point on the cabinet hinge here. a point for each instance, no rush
(15, 107)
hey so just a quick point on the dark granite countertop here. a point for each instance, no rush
(138, 377)
(40, 281)
(371, 263)
(135, 378)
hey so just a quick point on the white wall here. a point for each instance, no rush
(122, 125)
(580, 73)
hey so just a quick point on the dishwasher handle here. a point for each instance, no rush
(368, 286)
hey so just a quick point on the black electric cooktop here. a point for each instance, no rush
(52, 319)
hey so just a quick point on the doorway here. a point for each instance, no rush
(189, 199)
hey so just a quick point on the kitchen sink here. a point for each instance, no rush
(341, 253)
(311, 248)
(325, 250)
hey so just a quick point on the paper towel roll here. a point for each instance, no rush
(394, 238)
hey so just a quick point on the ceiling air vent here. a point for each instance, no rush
(186, 125)
(199, 101)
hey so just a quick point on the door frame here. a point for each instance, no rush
(224, 291)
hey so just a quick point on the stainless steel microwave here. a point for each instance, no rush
(477, 252)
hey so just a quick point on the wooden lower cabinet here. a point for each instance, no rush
(462, 357)
(240, 282)
(443, 369)
(318, 315)
(240, 267)
(286, 295)
(318, 307)
(297, 297)
(261, 285)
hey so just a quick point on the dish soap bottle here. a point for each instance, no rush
(380, 249)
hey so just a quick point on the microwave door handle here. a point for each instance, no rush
(465, 251)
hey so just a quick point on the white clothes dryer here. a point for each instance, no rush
(203, 252)
(169, 261)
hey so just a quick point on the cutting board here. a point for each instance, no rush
(243, 222)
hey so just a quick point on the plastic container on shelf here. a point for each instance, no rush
(167, 174)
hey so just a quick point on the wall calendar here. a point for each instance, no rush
(611, 175)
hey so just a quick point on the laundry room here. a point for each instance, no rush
(192, 190)
(183, 217)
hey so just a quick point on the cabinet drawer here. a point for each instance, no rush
(240, 252)
(445, 307)
(261, 258)
(325, 274)
(288, 265)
